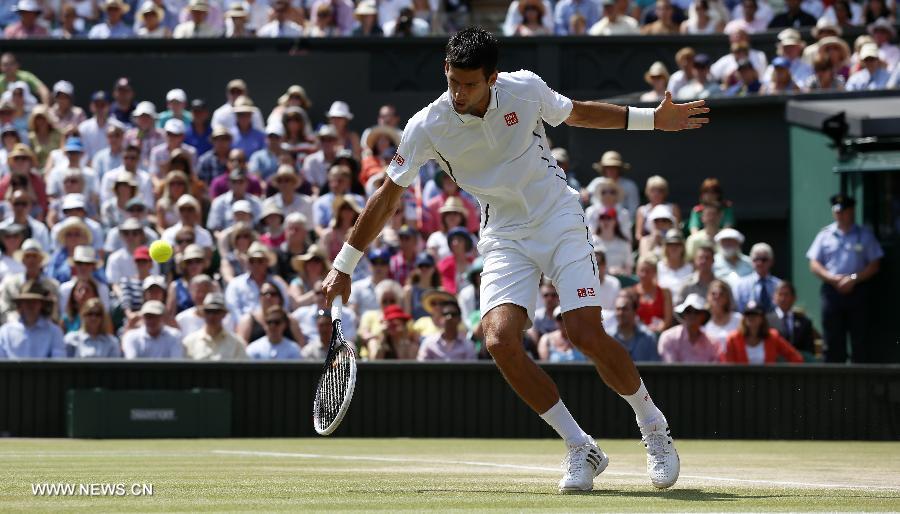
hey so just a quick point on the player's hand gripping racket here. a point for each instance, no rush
(335, 389)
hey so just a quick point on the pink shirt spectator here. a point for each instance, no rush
(220, 185)
(674, 346)
(432, 219)
(401, 268)
(435, 348)
(18, 31)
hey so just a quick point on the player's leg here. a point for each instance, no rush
(509, 286)
(576, 283)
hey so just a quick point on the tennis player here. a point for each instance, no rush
(487, 132)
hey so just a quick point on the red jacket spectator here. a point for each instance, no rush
(775, 346)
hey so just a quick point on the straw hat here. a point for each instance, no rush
(258, 250)
(150, 7)
(433, 298)
(313, 252)
(286, 171)
(237, 230)
(366, 8)
(236, 10)
(193, 251)
(454, 204)
(214, 302)
(244, 105)
(21, 150)
(611, 158)
(339, 109)
(524, 4)
(270, 209)
(825, 24)
(656, 69)
(827, 41)
(84, 255)
(73, 223)
(117, 3)
(379, 131)
(153, 308)
(31, 246)
(33, 290)
(340, 202)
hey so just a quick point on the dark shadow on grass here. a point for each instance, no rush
(674, 494)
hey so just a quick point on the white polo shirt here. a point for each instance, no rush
(502, 159)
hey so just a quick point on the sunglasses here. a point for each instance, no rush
(184, 241)
(274, 322)
(129, 233)
(607, 218)
(93, 314)
(269, 293)
(193, 261)
(20, 204)
(450, 314)
(760, 259)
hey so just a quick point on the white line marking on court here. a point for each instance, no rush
(778, 483)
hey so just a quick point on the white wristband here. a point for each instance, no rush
(640, 118)
(347, 259)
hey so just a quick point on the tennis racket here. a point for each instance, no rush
(335, 388)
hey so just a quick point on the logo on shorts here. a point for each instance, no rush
(585, 292)
(511, 119)
(399, 158)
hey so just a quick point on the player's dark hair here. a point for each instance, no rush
(473, 48)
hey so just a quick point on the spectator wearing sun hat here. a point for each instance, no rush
(12, 236)
(176, 108)
(21, 203)
(75, 206)
(123, 262)
(190, 215)
(244, 134)
(882, 32)
(872, 74)
(152, 339)
(782, 82)
(33, 259)
(730, 263)
(68, 115)
(33, 334)
(657, 76)
(85, 267)
(199, 26)
(174, 130)
(144, 134)
(687, 343)
(113, 27)
(790, 46)
(661, 219)
(242, 293)
(152, 21)
(28, 25)
(612, 166)
(214, 342)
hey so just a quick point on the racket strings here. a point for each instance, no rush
(335, 382)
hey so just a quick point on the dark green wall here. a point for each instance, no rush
(472, 400)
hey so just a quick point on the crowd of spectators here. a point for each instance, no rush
(257, 205)
(828, 65)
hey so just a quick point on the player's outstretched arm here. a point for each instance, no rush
(369, 224)
(668, 116)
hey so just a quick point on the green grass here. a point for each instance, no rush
(443, 474)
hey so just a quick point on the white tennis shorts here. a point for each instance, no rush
(561, 249)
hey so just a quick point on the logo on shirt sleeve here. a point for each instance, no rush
(399, 159)
(511, 119)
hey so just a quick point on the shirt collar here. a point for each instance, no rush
(465, 118)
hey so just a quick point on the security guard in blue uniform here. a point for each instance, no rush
(845, 256)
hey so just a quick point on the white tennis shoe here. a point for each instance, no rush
(663, 464)
(581, 465)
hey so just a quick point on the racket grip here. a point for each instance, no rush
(336, 306)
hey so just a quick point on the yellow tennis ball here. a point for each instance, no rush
(160, 251)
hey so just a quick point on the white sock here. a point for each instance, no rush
(643, 405)
(565, 425)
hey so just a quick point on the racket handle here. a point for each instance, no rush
(336, 306)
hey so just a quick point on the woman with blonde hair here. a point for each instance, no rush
(43, 135)
(174, 185)
(657, 191)
(723, 318)
(608, 195)
(654, 302)
(346, 211)
(95, 338)
(234, 261)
